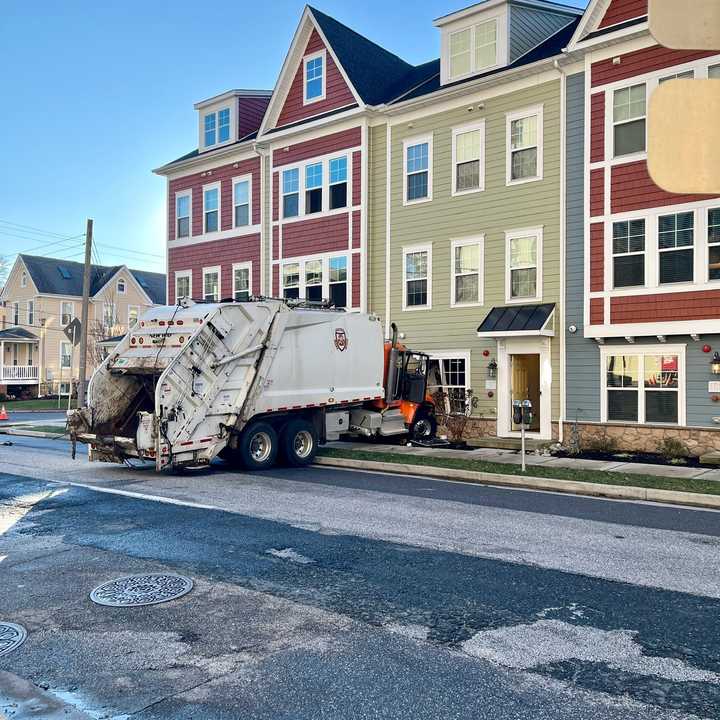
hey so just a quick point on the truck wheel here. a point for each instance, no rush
(424, 427)
(299, 443)
(258, 446)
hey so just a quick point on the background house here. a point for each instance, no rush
(41, 296)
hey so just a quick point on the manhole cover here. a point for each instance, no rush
(12, 636)
(136, 590)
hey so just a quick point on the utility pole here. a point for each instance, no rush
(84, 318)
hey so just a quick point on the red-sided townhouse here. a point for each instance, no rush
(316, 135)
(214, 203)
(643, 264)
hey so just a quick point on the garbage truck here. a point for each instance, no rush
(254, 382)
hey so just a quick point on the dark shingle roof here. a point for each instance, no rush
(53, 276)
(17, 333)
(516, 318)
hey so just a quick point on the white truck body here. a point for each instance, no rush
(185, 379)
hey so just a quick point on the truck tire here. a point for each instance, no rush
(299, 442)
(258, 446)
(424, 427)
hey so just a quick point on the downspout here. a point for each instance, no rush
(388, 199)
(264, 155)
(563, 234)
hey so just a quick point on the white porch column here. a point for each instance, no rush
(2, 358)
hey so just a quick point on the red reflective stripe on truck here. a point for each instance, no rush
(187, 442)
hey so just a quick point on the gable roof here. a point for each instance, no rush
(593, 17)
(53, 276)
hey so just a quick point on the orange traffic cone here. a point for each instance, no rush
(3, 414)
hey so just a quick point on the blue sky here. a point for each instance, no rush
(96, 94)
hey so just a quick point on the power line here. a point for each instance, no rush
(45, 246)
(31, 227)
(132, 252)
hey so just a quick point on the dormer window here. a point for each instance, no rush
(121, 286)
(216, 126)
(314, 72)
(473, 49)
(23, 280)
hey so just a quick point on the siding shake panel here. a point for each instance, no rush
(622, 10)
(597, 257)
(307, 237)
(597, 128)
(597, 192)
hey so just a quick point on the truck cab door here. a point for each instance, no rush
(414, 383)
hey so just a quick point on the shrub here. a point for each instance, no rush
(602, 443)
(673, 449)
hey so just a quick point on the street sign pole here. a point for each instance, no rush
(85, 314)
(72, 364)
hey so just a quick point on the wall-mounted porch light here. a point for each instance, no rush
(492, 369)
(715, 364)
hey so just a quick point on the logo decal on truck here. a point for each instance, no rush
(341, 341)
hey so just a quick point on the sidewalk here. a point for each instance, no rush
(513, 457)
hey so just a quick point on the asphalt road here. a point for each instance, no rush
(44, 417)
(333, 594)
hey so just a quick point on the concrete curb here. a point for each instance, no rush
(31, 433)
(620, 492)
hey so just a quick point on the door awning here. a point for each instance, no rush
(519, 321)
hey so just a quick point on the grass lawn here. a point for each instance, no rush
(40, 404)
(709, 487)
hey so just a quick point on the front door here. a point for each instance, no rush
(525, 385)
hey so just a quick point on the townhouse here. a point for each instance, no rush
(42, 296)
(643, 265)
(494, 203)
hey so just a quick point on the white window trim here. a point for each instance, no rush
(474, 127)
(698, 252)
(538, 111)
(242, 266)
(187, 194)
(183, 274)
(72, 311)
(325, 258)
(511, 235)
(215, 110)
(409, 142)
(23, 280)
(464, 355)
(60, 356)
(611, 254)
(137, 310)
(705, 254)
(300, 192)
(210, 271)
(405, 252)
(610, 119)
(15, 307)
(66, 384)
(642, 351)
(235, 181)
(500, 46)
(312, 56)
(348, 172)
(205, 188)
(479, 241)
(30, 312)
(117, 286)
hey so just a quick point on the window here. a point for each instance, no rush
(182, 216)
(64, 388)
(473, 49)
(216, 127)
(241, 203)
(291, 193)
(211, 284)
(629, 253)
(525, 146)
(183, 284)
(65, 354)
(629, 120)
(450, 374)
(418, 167)
(209, 129)
(689, 75)
(241, 281)
(291, 280)
(23, 280)
(467, 268)
(524, 253)
(313, 188)
(67, 313)
(223, 125)
(417, 278)
(315, 77)
(121, 286)
(468, 162)
(714, 72)
(714, 244)
(16, 313)
(30, 312)
(15, 355)
(314, 280)
(338, 183)
(211, 208)
(676, 237)
(644, 386)
(29, 354)
(338, 281)
(132, 315)
(108, 316)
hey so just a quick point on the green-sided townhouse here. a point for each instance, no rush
(466, 207)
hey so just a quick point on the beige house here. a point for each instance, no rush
(42, 296)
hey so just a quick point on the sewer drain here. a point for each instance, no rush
(12, 636)
(136, 590)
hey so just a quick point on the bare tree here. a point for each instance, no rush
(453, 410)
(4, 270)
